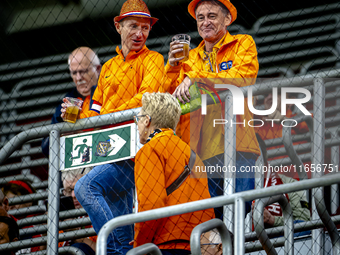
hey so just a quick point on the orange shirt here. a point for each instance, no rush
(123, 81)
(85, 108)
(158, 164)
(235, 63)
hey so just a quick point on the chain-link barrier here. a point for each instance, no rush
(63, 182)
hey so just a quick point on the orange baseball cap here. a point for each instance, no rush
(226, 3)
(135, 8)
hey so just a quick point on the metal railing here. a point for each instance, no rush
(211, 203)
(55, 130)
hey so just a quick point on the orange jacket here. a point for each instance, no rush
(85, 108)
(236, 64)
(158, 164)
(123, 81)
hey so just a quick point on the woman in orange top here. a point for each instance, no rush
(159, 167)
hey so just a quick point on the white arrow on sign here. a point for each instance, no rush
(116, 142)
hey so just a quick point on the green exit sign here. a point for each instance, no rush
(98, 147)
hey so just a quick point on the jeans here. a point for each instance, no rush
(84, 248)
(244, 180)
(106, 192)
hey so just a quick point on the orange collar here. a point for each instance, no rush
(132, 54)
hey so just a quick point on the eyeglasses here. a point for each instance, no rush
(67, 192)
(81, 72)
(137, 117)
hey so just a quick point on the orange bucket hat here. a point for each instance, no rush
(135, 8)
(226, 3)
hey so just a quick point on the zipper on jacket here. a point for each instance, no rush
(216, 59)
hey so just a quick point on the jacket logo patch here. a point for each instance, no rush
(226, 65)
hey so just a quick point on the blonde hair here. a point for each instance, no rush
(163, 109)
(71, 175)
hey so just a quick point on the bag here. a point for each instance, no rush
(181, 178)
(195, 100)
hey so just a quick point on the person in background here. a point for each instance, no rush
(84, 66)
(107, 191)
(18, 188)
(166, 174)
(70, 178)
(9, 232)
(221, 58)
(272, 214)
(4, 204)
(4, 208)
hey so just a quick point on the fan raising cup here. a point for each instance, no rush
(72, 110)
(185, 40)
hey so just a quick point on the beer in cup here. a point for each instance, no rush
(185, 40)
(72, 110)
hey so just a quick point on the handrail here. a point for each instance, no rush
(35, 209)
(28, 198)
(41, 219)
(249, 237)
(61, 250)
(288, 143)
(97, 121)
(298, 227)
(318, 158)
(195, 238)
(148, 248)
(206, 204)
(287, 14)
(40, 229)
(288, 223)
(332, 20)
(23, 177)
(42, 240)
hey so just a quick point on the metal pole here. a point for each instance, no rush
(43, 218)
(229, 160)
(317, 157)
(168, 211)
(53, 194)
(318, 160)
(335, 161)
(335, 188)
(239, 226)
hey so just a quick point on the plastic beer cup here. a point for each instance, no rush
(72, 110)
(185, 40)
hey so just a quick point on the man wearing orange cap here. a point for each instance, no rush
(107, 190)
(221, 58)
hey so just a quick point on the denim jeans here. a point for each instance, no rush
(84, 248)
(244, 180)
(106, 192)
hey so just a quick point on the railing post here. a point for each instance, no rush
(53, 194)
(335, 161)
(317, 156)
(318, 160)
(229, 160)
(335, 187)
(239, 238)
